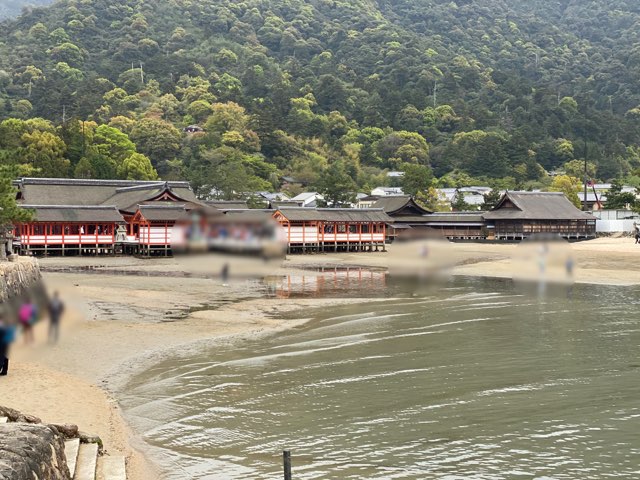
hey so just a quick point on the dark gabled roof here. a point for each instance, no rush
(455, 217)
(65, 194)
(163, 213)
(247, 215)
(127, 199)
(412, 219)
(395, 204)
(95, 182)
(536, 206)
(462, 219)
(125, 194)
(275, 204)
(227, 204)
(75, 213)
(335, 214)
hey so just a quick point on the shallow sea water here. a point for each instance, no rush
(476, 379)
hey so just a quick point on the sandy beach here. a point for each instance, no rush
(125, 313)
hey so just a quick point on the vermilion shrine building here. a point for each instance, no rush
(333, 229)
(76, 217)
(97, 217)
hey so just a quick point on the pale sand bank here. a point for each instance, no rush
(118, 322)
(115, 325)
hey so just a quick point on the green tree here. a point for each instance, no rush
(417, 178)
(480, 153)
(157, 139)
(491, 199)
(336, 186)
(45, 151)
(434, 200)
(617, 199)
(83, 169)
(403, 147)
(458, 203)
(227, 173)
(137, 167)
(10, 212)
(570, 186)
(199, 110)
(113, 143)
(575, 168)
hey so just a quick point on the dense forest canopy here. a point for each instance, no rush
(468, 90)
(12, 8)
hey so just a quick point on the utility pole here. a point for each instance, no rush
(584, 203)
(435, 93)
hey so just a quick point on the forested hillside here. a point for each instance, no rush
(331, 92)
(13, 8)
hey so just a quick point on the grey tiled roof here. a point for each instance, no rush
(124, 194)
(65, 191)
(163, 213)
(336, 214)
(227, 204)
(457, 217)
(537, 206)
(394, 203)
(275, 205)
(75, 213)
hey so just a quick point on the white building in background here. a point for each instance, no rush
(395, 174)
(308, 199)
(474, 196)
(273, 197)
(386, 191)
(605, 187)
(366, 201)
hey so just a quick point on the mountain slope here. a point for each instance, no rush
(517, 84)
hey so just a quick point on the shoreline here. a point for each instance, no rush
(105, 343)
(119, 325)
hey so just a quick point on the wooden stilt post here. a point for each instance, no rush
(286, 459)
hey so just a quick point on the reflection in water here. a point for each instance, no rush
(342, 281)
(474, 380)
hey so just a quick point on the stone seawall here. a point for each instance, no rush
(17, 277)
(32, 451)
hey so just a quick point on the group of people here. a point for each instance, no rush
(22, 317)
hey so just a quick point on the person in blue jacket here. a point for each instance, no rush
(7, 336)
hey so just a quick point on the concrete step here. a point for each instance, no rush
(71, 448)
(87, 460)
(112, 468)
(4, 419)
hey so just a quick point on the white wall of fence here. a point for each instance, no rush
(613, 221)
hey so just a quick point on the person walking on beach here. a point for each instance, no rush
(224, 274)
(637, 232)
(56, 307)
(27, 316)
(7, 335)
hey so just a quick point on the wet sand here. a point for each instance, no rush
(120, 321)
(136, 311)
